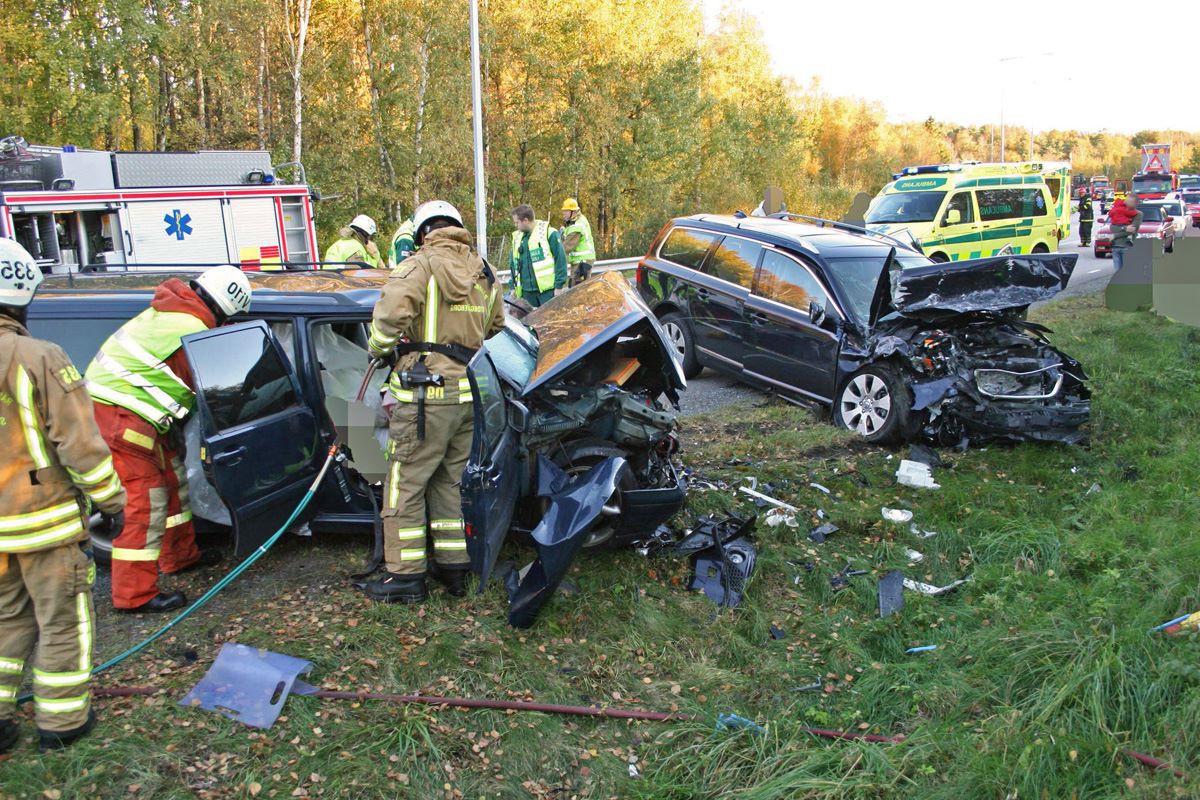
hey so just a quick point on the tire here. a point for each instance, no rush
(578, 458)
(857, 406)
(101, 541)
(679, 332)
(1040, 248)
(939, 258)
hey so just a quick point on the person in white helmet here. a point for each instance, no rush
(356, 245)
(56, 464)
(442, 300)
(143, 390)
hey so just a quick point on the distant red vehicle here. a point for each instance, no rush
(1098, 185)
(1191, 200)
(1156, 224)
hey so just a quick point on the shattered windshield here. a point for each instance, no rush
(905, 207)
(514, 352)
(859, 276)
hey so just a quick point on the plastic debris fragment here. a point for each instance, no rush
(916, 474)
(897, 515)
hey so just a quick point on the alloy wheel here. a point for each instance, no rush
(866, 403)
(675, 333)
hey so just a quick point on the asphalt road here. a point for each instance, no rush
(711, 391)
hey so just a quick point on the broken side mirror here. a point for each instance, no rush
(816, 312)
(518, 416)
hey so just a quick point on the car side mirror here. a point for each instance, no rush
(953, 217)
(816, 312)
(518, 416)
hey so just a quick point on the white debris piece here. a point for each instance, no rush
(767, 499)
(916, 474)
(897, 515)
(778, 516)
(925, 588)
(820, 488)
(914, 556)
(922, 534)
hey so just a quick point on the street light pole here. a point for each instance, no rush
(1003, 86)
(481, 242)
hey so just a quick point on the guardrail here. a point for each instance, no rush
(607, 265)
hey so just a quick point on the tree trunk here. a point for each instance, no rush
(385, 160)
(201, 107)
(261, 104)
(297, 13)
(419, 130)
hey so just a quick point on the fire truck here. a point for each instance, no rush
(1155, 179)
(76, 209)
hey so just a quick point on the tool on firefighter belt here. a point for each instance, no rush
(419, 379)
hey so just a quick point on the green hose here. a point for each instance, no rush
(221, 584)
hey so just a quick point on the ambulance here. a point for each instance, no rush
(973, 209)
(90, 210)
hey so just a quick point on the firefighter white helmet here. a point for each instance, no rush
(227, 286)
(428, 212)
(364, 225)
(20, 275)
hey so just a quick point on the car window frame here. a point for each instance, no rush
(1041, 189)
(970, 195)
(717, 236)
(762, 247)
(830, 295)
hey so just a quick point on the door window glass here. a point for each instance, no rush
(735, 261)
(785, 281)
(686, 248)
(242, 375)
(961, 203)
(997, 204)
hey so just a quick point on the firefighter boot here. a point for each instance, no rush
(10, 732)
(393, 588)
(159, 604)
(56, 740)
(452, 576)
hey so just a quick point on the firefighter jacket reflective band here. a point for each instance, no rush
(345, 250)
(55, 465)
(440, 294)
(585, 248)
(540, 258)
(130, 370)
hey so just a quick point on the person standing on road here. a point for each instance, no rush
(402, 245)
(55, 465)
(142, 388)
(538, 262)
(577, 242)
(1087, 216)
(443, 298)
(357, 243)
(1123, 221)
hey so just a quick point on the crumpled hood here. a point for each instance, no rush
(456, 268)
(995, 285)
(175, 296)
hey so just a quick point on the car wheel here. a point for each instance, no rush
(939, 258)
(1040, 248)
(577, 459)
(680, 336)
(875, 403)
(101, 539)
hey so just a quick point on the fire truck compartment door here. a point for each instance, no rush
(256, 230)
(181, 231)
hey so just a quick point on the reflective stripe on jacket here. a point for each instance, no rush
(130, 370)
(346, 250)
(585, 248)
(56, 462)
(540, 258)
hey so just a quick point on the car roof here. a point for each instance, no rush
(793, 234)
(305, 291)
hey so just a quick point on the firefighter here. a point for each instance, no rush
(577, 241)
(1087, 216)
(55, 465)
(357, 243)
(444, 298)
(538, 262)
(402, 245)
(143, 390)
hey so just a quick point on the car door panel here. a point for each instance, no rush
(719, 306)
(260, 441)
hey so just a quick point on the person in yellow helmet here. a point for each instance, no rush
(578, 242)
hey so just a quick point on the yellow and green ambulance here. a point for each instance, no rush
(973, 209)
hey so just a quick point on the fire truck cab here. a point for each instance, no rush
(79, 209)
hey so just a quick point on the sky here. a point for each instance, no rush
(1046, 63)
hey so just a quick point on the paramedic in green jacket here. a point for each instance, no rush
(538, 261)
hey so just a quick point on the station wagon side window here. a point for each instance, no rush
(785, 280)
(242, 376)
(960, 202)
(687, 247)
(997, 204)
(735, 261)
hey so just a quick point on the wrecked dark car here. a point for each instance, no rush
(574, 434)
(896, 346)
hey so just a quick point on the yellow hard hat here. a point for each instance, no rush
(570, 204)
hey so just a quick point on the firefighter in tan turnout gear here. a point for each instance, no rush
(444, 298)
(55, 466)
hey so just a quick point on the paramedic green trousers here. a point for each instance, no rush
(421, 499)
(46, 612)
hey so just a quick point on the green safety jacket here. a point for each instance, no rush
(130, 369)
(346, 250)
(403, 243)
(585, 248)
(542, 263)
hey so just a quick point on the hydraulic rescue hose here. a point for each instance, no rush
(228, 579)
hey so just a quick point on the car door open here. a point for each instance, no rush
(260, 443)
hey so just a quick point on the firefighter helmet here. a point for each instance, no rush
(20, 275)
(227, 287)
(364, 225)
(430, 211)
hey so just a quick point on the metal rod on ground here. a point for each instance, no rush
(477, 126)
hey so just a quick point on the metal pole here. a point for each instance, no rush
(477, 114)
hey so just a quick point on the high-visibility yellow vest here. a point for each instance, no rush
(344, 250)
(540, 257)
(403, 243)
(585, 250)
(130, 370)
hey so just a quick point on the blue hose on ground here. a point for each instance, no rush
(221, 584)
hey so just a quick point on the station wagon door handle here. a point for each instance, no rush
(230, 457)
(703, 294)
(759, 318)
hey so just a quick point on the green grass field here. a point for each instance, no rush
(1044, 670)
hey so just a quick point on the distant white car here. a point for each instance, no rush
(1178, 217)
